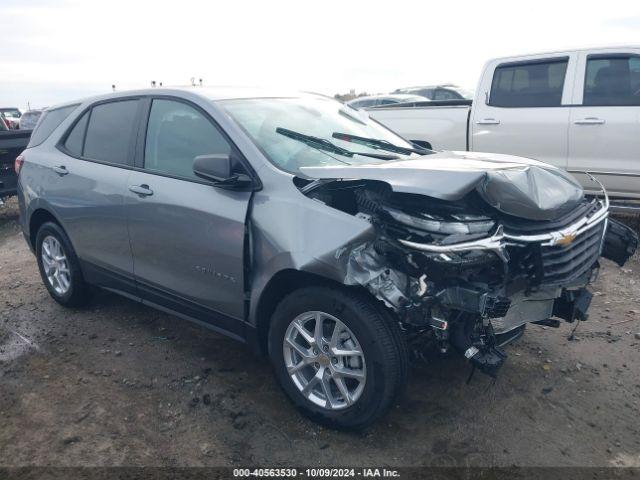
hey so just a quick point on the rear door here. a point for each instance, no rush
(187, 236)
(522, 108)
(604, 132)
(87, 184)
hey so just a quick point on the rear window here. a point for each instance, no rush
(533, 84)
(48, 122)
(110, 132)
(613, 81)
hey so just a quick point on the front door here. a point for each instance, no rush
(187, 236)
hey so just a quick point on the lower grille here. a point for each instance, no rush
(563, 263)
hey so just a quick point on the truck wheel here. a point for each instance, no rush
(59, 266)
(339, 356)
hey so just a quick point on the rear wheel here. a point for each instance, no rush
(339, 357)
(59, 266)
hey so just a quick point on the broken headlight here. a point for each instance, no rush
(455, 224)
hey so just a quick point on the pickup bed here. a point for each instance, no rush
(12, 143)
(578, 110)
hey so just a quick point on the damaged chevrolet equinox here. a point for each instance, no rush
(312, 233)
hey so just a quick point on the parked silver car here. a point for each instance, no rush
(309, 231)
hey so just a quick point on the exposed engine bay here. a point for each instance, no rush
(470, 272)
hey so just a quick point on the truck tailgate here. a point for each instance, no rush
(12, 143)
(443, 125)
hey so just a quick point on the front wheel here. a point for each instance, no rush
(339, 356)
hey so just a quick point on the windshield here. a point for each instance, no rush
(265, 120)
(11, 112)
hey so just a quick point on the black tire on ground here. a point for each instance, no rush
(382, 342)
(79, 291)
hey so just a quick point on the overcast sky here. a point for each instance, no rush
(57, 50)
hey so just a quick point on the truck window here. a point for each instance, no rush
(446, 94)
(613, 81)
(528, 84)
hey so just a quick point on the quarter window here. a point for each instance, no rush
(110, 132)
(534, 84)
(176, 134)
(612, 81)
(75, 139)
(48, 123)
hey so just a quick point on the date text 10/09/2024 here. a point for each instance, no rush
(316, 473)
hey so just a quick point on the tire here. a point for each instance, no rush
(383, 363)
(77, 292)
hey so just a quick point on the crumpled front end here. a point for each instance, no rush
(467, 274)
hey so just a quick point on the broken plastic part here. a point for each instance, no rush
(620, 242)
(489, 361)
(474, 301)
(572, 305)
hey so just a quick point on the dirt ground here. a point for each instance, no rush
(118, 383)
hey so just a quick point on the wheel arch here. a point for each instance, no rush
(279, 286)
(38, 218)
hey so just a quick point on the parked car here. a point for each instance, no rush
(578, 110)
(389, 99)
(11, 117)
(438, 92)
(307, 230)
(29, 119)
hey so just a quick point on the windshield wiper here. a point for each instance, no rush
(327, 146)
(377, 143)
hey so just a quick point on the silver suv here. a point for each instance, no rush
(304, 228)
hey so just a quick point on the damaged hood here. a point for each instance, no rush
(514, 185)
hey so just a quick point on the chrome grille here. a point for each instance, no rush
(563, 263)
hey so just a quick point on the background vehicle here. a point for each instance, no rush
(306, 229)
(388, 99)
(11, 117)
(12, 142)
(439, 92)
(578, 110)
(29, 119)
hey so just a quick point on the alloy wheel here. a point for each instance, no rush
(324, 360)
(56, 265)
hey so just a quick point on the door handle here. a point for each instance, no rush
(488, 121)
(142, 190)
(60, 170)
(590, 121)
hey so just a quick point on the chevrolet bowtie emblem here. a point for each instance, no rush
(566, 239)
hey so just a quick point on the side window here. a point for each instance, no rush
(387, 101)
(110, 131)
(75, 139)
(48, 123)
(176, 134)
(534, 84)
(425, 92)
(444, 94)
(612, 81)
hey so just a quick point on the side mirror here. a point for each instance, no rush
(218, 168)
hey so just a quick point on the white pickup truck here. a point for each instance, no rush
(579, 110)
